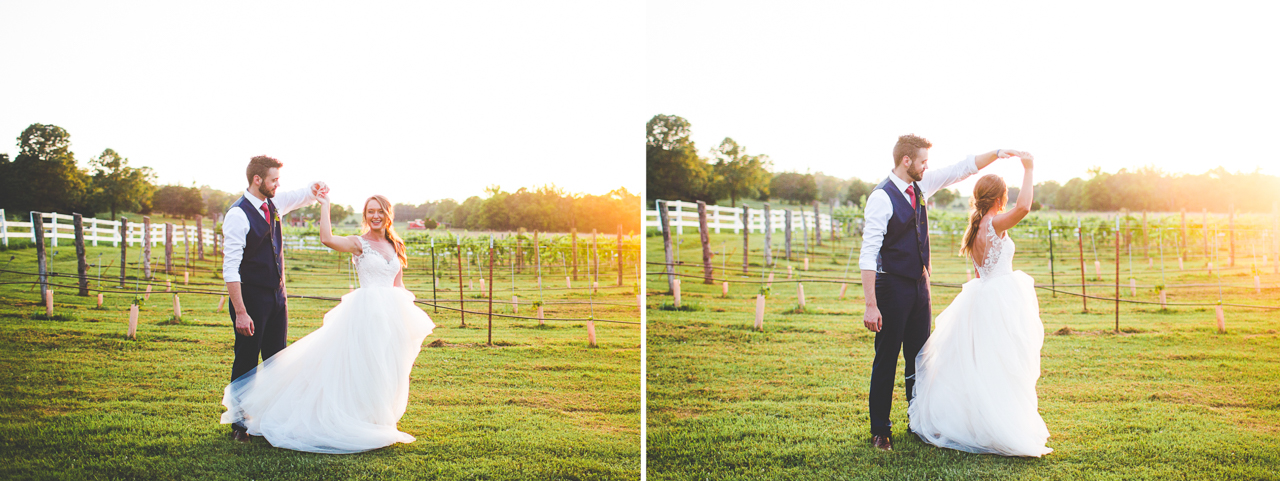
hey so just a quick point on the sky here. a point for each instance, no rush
(829, 86)
(417, 101)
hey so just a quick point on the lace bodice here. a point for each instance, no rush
(999, 257)
(373, 269)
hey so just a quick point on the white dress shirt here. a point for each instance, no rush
(879, 208)
(235, 226)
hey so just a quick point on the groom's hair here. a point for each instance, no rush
(259, 166)
(909, 145)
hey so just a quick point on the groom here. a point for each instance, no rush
(253, 266)
(895, 268)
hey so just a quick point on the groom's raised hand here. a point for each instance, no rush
(319, 188)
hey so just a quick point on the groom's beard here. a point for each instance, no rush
(266, 194)
(916, 175)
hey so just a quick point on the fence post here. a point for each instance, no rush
(788, 236)
(574, 234)
(746, 234)
(595, 257)
(1182, 245)
(146, 247)
(804, 225)
(82, 264)
(37, 229)
(186, 246)
(817, 226)
(1144, 236)
(1084, 295)
(168, 248)
(705, 237)
(1231, 235)
(1053, 281)
(1117, 279)
(491, 290)
(1205, 214)
(619, 254)
(462, 303)
(768, 236)
(832, 218)
(53, 229)
(94, 229)
(4, 228)
(200, 237)
(666, 244)
(124, 247)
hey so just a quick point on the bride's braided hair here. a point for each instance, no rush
(390, 233)
(990, 192)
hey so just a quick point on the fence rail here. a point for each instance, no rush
(685, 214)
(61, 226)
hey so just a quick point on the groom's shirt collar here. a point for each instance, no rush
(257, 203)
(899, 183)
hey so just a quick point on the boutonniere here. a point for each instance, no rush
(278, 217)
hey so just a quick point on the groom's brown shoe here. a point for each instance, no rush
(882, 443)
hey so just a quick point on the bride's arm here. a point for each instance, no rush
(399, 282)
(1006, 220)
(337, 243)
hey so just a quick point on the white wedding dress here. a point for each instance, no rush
(342, 388)
(975, 386)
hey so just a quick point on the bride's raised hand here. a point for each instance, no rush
(1027, 160)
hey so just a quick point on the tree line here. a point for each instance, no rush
(46, 177)
(675, 171)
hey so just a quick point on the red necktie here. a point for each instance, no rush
(911, 191)
(266, 214)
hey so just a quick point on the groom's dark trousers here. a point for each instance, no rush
(270, 313)
(905, 320)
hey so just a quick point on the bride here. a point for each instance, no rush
(342, 388)
(975, 386)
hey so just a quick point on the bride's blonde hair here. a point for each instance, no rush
(390, 232)
(987, 194)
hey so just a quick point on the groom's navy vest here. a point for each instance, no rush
(263, 260)
(905, 251)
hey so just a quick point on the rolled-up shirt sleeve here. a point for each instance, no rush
(235, 227)
(938, 179)
(287, 202)
(876, 216)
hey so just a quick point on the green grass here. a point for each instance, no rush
(1167, 398)
(80, 401)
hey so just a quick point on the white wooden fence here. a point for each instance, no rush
(62, 226)
(685, 214)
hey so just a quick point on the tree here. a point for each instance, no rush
(673, 170)
(829, 187)
(737, 174)
(944, 197)
(217, 202)
(795, 187)
(118, 187)
(44, 177)
(1047, 193)
(179, 201)
(858, 191)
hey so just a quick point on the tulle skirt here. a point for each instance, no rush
(342, 388)
(976, 376)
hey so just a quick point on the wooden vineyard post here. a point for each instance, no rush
(804, 232)
(146, 247)
(42, 263)
(490, 290)
(788, 233)
(1084, 296)
(1205, 224)
(1053, 281)
(705, 236)
(435, 296)
(168, 248)
(666, 244)
(1231, 235)
(746, 235)
(82, 264)
(759, 312)
(832, 218)
(573, 233)
(186, 249)
(124, 247)
(595, 257)
(1182, 243)
(768, 236)
(618, 254)
(817, 226)
(462, 303)
(200, 237)
(1117, 278)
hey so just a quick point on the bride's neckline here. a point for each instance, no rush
(376, 250)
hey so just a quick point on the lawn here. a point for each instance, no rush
(1166, 398)
(81, 401)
